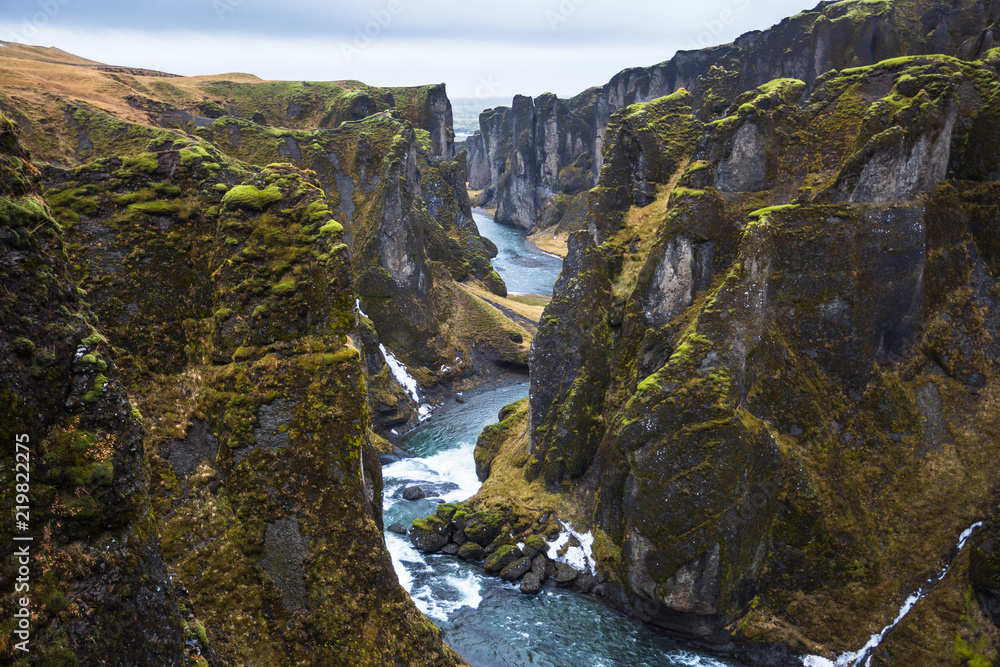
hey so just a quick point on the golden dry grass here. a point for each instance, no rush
(514, 304)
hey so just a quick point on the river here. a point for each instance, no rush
(488, 621)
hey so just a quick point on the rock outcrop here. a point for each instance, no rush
(94, 574)
(384, 158)
(224, 298)
(541, 148)
(770, 361)
(230, 294)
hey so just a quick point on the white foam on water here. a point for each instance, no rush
(692, 660)
(401, 551)
(816, 661)
(405, 380)
(855, 658)
(455, 465)
(467, 590)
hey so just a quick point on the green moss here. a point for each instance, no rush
(24, 346)
(146, 163)
(649, 384)
(763, 212)
(97, 389)
(250, 197)
(331, 228)
(156, 208)
(283, 288)
(193, 154)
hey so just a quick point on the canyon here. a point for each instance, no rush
(763, 392)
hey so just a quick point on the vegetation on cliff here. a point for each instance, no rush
(769, 365)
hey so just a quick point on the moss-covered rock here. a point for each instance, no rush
(767, 367)
(99, 587)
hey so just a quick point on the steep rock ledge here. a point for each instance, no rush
(540, 149)
(99, 587)
(230, 294)
(770, 363)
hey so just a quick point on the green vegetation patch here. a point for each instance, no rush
(251, 197)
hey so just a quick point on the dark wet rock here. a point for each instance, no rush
(501, 558)
(534, 545)
(459, 537)
(471, 551)
(413, 493)
(531, 584)
(397, 528)
(565, 574)
(584, 583)
(199, 445)
(284, 549)
(540, 566)
(516, 570)
(484, 528)
(451, 549)
(430, 534)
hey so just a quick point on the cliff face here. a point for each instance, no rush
(230, 293)
(99, 587)
(565, 144)
(229, 297)
(399, 193)
(770, 363)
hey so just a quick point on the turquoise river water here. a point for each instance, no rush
(488, 621)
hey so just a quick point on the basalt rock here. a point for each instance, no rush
(501, 558)
(99, 587)
(229, 295)
(413, 493)
(516, 570)
(538, 149)
(775, 329)
(531, 584)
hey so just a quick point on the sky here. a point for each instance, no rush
(483, 49)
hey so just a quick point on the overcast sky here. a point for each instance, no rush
(488, 48)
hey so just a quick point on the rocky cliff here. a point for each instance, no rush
(97, 579)
(399, 193)
(540, 149)
(769, 368)
(225, 298)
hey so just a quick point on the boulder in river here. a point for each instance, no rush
(531, 584)
(397, 528)
(501, 558)
(430, 534)
(584, 582)
(413, 493)
(470, 551)
(484, 527)
(565, 574)
(534, 545)
(540, 567)
(516, 570)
